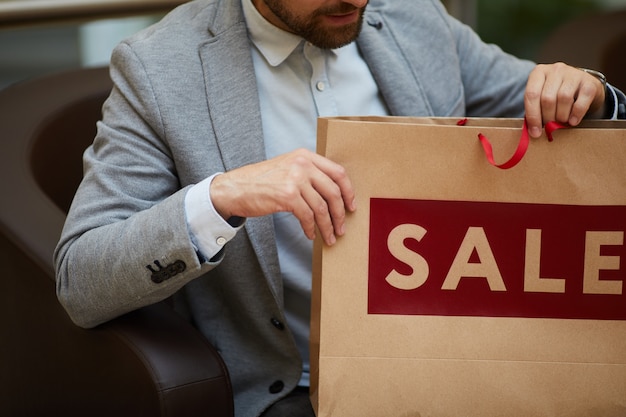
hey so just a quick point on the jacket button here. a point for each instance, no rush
(177, 267)
(161, 273)
(277, 323)
(277, 387)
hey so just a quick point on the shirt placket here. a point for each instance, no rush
(321, 89)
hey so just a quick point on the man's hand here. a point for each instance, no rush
(558, 92)
(316, 190)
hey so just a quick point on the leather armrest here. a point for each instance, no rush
(148, 363)
(190, 376)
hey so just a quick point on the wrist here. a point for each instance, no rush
(597, 74)
(219, 196)
(598, 109)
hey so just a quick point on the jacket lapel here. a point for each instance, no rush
(235, 115)
(397, 81)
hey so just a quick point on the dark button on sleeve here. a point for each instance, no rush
(177, 267)
(277, 387)
(161, 273)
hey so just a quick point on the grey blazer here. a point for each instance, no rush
(184, 106)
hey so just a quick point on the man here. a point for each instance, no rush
(202, 182)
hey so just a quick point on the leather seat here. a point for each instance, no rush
(148, 363)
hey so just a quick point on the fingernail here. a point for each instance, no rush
(535, 132)
(573, 121)
(332, 239)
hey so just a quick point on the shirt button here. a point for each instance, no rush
(320, 86)
(277, 387)
(221, 241)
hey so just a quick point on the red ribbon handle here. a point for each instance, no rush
(522, 146)
(552, 126)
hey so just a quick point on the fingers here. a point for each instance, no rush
(561, 93)
(316, 190)
(532, 101)
(327, 194)
(584, 100)
(315, 212)
(339, 177)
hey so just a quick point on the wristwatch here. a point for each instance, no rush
(596, 74)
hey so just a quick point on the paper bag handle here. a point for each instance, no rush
(522, 146)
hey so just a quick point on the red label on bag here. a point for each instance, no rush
(451, 258)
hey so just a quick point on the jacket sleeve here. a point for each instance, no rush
(615, 103)
(125, 243)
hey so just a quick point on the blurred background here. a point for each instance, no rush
(29, 48)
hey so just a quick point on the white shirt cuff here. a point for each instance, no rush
(208, 231)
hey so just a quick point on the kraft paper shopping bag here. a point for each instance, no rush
(461, 289)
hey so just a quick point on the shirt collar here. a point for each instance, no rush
(273, 43)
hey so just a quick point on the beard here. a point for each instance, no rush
(312, 27)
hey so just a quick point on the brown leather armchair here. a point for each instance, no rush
(148, 363)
